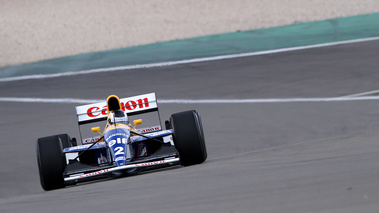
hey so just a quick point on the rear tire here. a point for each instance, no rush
(189, 137)
(52, 161)
(66, 140)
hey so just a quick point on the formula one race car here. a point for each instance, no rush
(121, 149)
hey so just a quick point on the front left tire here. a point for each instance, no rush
(52, 161)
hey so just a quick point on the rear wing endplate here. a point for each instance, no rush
(133, 105)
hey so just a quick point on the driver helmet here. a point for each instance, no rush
(118, 117)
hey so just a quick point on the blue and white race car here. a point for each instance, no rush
(121, 149)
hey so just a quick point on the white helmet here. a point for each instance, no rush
(118, 117)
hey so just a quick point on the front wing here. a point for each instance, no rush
(129, 166)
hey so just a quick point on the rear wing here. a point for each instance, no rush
(133, 105)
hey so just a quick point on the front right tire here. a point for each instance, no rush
(189, 137)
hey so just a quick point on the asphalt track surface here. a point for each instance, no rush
(262, 157)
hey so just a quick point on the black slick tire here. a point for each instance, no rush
(189, 137)
(51, 161)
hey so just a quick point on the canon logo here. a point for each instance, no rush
(151, 129)
(150, 163)
(125, 106)
(91, 140)
(94, 173)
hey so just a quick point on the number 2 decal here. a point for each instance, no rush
(119, 151)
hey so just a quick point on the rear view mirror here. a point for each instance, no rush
(137, 122)
(95, 129)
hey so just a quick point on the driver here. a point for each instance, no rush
(118, 117)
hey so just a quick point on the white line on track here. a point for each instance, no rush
(113, 69)
(276, 100)
(362, 94)
(191, 101)
(48, 100)
(353, 97)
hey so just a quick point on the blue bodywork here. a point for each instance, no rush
(121, 144)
